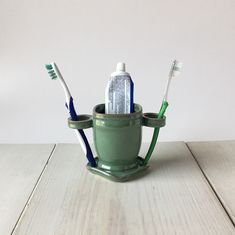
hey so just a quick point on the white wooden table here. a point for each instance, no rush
(189, 189)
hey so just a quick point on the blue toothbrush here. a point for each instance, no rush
(54, 73)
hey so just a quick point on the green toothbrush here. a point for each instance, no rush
(175, 71)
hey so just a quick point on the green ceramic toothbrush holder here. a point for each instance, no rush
(117, 139)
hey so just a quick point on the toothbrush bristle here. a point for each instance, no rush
(176, 68)
(51, 71)
(48, 66)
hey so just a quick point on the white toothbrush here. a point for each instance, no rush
(55, 73)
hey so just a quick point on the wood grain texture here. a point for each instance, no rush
(20, 168)
(217, 160)
(172, 198)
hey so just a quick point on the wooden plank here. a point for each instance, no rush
(217, 160)
(20, 168)
(173, 198)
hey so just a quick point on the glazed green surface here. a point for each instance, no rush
(117, 139)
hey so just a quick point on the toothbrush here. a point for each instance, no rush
(55, 73)
(174, 72)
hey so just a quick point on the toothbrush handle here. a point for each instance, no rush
(89, 154)
(155, 133)
(81, 135)
(71, 109)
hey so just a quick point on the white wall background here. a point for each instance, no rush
(87, 38)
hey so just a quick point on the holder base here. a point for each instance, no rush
(119, 176)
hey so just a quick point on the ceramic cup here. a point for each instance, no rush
(117, 137)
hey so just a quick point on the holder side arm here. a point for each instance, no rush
(84, 121)
(151, 120)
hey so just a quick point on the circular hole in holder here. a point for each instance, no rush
(84, 121)
(151, 120)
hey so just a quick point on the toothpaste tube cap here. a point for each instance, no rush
(120, 70)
